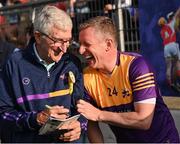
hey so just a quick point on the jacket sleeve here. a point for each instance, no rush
(10, 113)
(78, 93)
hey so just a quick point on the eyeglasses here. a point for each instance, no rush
(60, 41)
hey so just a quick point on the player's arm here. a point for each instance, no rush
(177, 20)
(141, 118)
(94, 133)
(177, 14)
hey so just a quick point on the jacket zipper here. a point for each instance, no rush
(48, 74)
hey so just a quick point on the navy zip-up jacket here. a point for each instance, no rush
(26, 87)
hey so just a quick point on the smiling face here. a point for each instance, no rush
(92, 47)
(51, 47)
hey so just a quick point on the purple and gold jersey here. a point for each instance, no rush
(132, 80)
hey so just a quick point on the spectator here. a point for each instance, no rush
(79, 12)
(38, 76)
(5, 50)
(13, 19)
(99, 7)
(122, 90)
(29, 33)
(2, 18)
(24, 1)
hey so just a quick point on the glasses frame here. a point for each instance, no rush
(61, 41)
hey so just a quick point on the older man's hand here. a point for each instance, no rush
(58, 112)
(73, 131)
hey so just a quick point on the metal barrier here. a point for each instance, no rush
(123, 12)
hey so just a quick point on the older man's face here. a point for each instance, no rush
(53, 46)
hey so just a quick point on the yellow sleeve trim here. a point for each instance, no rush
(145, 75)
(152, 85)
(139, 81)
(142, 84)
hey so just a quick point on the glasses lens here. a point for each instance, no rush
(59, 41)
(67, 42)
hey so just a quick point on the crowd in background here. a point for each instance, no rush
(15, 27)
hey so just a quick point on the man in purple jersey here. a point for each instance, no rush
(121, 89)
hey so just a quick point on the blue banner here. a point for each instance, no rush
(155, 33)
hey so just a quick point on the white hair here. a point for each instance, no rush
(51, 16)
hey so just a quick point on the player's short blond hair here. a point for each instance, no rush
(161, 21)
(102, 24)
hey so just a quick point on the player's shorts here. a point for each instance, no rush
(172, 50)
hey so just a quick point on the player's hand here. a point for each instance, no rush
(58, 112)
(88, 110)
(72, 131)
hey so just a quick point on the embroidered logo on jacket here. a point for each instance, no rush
(25, 81)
